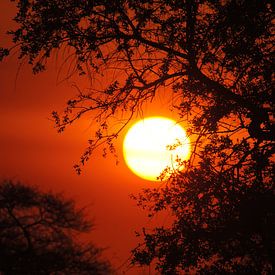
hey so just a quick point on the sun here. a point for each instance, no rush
(147, 146)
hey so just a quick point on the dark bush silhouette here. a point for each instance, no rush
(40, 234)
(216, 57)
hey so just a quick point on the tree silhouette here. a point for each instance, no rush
(39, 234)
(222, 223)
(216, 56)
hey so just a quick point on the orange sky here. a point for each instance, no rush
(33, 152)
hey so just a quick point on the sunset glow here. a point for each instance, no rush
(145, 146)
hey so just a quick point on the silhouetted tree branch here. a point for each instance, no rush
(195, 47)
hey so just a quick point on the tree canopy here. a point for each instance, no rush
(39, 234)
(216, 56)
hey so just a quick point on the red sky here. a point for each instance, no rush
(33, 152)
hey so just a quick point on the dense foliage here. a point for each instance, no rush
(216, 56)
(39, 234)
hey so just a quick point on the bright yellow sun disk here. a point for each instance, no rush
(145, 146)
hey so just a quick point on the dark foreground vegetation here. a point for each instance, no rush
(40, 233)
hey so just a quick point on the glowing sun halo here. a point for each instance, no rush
(145, 146)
